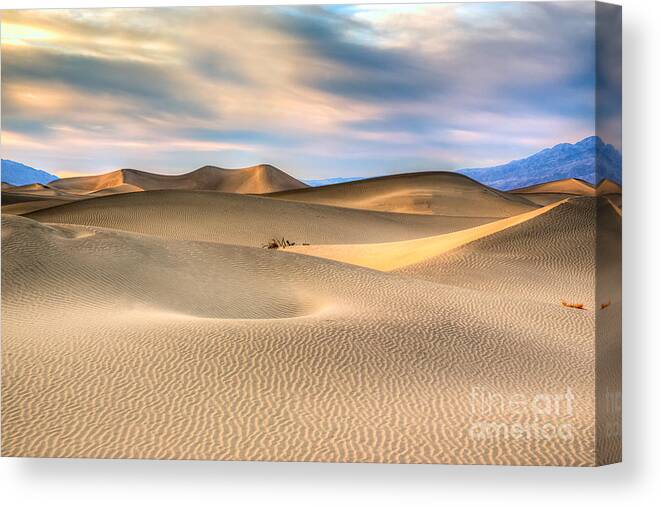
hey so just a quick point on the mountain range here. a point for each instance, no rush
(18, 174)
(563, 161)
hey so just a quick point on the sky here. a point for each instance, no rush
(319, 91)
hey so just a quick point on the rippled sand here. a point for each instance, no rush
(127, 335)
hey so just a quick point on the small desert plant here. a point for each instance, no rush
(278, 243)
(604, 305)
(573, 305)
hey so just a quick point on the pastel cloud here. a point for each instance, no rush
(320, 91)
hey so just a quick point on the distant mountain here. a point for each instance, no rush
(332, 180)
(18, 174)
(258, 179)
(564, 161)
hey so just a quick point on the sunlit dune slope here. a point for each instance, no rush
(397, 255)
(247, 220)
(257, 179)
(443, 193)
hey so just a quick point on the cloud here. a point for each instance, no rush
(320, 90)
(150, 84)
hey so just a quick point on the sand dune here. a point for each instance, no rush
(33, 197)
(549, 258)
(608, 187)
(397, 255)
(555, 191)
(142, 318)
(20, 207)
(125, 345)
(442, 193)
(257, 179)
(120, 188)
(36, 190)
(247, 220)
(564, 187)
(27, 187)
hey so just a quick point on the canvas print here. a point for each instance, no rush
(344, 233)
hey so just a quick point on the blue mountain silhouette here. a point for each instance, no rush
(19, 174)
(590, 160)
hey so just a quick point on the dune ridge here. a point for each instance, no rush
(554, 191)
(257, 179)
(608, 187)
(441, 193)
(570, 186)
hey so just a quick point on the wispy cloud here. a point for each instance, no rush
(320, 91)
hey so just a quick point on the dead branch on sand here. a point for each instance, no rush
(278, 244)
(573, 305)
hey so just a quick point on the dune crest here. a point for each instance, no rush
(608, 187)
(258, 179)
(571, 186)
(440, 193)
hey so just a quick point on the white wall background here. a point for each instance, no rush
(636, 481)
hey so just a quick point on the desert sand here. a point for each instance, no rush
(153, 324)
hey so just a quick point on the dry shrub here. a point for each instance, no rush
(573, 305)
(278, 244)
